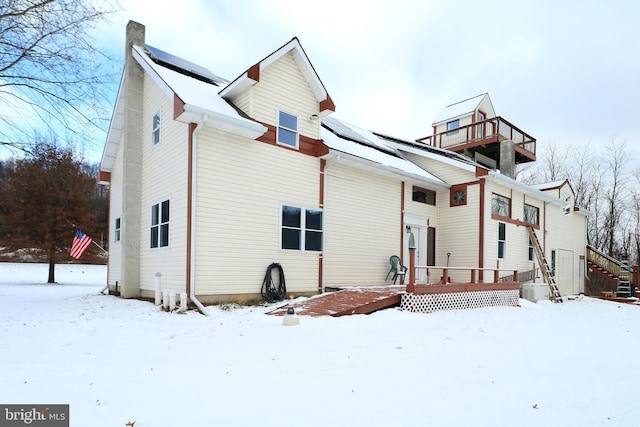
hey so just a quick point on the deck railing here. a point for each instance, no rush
(496, 128)
(475, 275)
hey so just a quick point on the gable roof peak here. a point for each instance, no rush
(461, 108)
(252, 76)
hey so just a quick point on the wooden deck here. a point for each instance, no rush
(352, 300)
(367, 299)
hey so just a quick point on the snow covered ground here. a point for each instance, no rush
(116, 361)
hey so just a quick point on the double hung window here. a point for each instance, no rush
(301, 229)
(159, 230)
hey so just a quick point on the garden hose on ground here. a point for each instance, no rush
(270, 291)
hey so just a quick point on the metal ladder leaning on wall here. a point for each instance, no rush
(547, 274)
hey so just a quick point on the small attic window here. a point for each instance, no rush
(287, 129)
(155, 129)
(452, 127)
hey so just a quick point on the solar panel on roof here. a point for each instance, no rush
(344, 131)
(183, 66)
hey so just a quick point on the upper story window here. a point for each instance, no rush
(155, 129)
(502, 240)
(301, 229)
(531, 214)
(160, 225)
(116, 236)
(421, 195)
(500, 205)
(287, 129)
(452, 127)
(531, 253)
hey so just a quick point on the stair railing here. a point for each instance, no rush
(608, 263)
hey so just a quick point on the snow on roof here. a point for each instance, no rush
(459, 109)
(182, 65)
(199, 97)
(549, 185)
(189, 89)
(367, 146)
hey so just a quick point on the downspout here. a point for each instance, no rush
(192, 261)
(324, 216)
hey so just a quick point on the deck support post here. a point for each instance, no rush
(412, 264)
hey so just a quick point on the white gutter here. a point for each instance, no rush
(192, 266)
(510, 182)
(235, 125)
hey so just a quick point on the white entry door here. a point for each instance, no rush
(419, 231)
(564, 275)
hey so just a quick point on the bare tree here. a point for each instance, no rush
(44, 195)
(52, 75)
(614, 196)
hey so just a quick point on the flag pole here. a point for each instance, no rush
(101, 248)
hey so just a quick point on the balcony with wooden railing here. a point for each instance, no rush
(484, 137)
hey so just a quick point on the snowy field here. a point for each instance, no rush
(117, 361)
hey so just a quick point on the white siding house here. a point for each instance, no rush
(213, 180)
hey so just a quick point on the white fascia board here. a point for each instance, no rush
(148, 68)
(237, 86)
(234, 125)
(115, 132)
(509, 182)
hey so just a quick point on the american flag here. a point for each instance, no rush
(81, 243)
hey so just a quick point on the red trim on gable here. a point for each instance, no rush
(178, 106)
(327, 104)
(104, 176)
(480, 171)
(254, 72)
(306, 145)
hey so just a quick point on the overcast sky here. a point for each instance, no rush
(562, 71)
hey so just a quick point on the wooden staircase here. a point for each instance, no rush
(547, 274)
(618, 273)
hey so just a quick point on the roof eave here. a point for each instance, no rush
(212, 119)
(116, 127)
(386, 170)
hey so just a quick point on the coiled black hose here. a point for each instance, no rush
(270, 291)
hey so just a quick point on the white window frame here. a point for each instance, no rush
(453, 126)
(502, 243)
(155, 128)
(302, 229)
(284, 129)
(532, 254)
(117, 229)
(160, 225)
